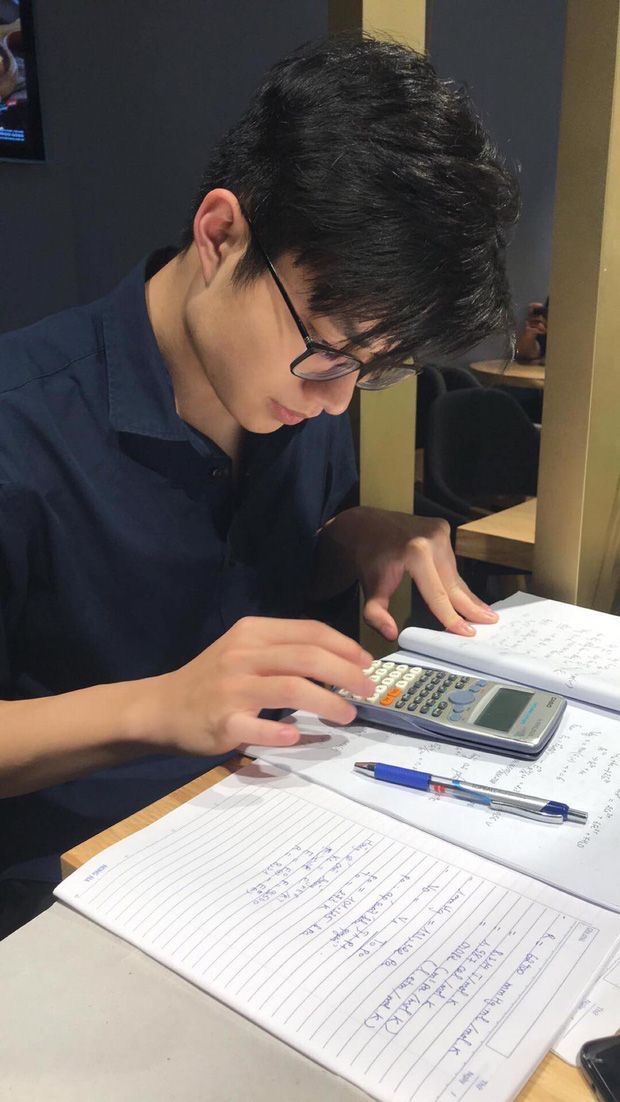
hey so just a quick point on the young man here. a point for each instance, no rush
(175, 459)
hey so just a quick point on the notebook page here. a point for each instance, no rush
(546, 644)
(597, 1015)
(580, 766)
(406, 965)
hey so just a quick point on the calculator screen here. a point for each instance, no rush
(502, 711)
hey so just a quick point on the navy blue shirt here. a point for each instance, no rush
(125, 549)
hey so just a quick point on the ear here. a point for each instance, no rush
(220, 230)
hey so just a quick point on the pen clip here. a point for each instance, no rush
(526, 813)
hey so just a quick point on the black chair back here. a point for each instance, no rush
(430, 387)
(481, 451)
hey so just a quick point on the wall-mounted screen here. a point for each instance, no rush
(21, 136)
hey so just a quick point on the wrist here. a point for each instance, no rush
(146, 721)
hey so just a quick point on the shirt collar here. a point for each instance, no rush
(140, 393)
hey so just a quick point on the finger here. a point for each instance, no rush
(377, 616)
(265, 630)
(314, 662)
(470, 606)
(244, 728)
(423, 571)
(463, 600)
(297, 693)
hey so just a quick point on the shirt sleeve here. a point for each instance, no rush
(18, 511)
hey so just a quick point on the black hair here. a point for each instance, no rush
(379, 179)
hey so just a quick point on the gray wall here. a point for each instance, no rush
(509, 54)
(134, 93)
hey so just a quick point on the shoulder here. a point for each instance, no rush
(42, 350)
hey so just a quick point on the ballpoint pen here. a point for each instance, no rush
(516, 803)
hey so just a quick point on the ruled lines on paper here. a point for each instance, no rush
(409, 967)
(554, 646)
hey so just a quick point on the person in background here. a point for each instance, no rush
(176, 463)
(532, 339)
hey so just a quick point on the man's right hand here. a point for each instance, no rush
(212, 704)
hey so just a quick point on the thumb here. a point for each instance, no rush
(377, 616)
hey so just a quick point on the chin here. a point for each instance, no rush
(259, 423)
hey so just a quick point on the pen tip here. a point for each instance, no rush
(365, 766)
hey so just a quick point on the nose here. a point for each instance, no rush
(334, 395)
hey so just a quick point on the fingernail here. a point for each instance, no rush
(489, 614)
(463, 629)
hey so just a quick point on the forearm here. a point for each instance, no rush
(53, 739)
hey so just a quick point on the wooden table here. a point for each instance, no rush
(506, 538)
(553, 1080)
(509, 374)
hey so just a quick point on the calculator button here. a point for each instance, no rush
(390, 697)
(460, 697)
(424, 709)
(436, 712)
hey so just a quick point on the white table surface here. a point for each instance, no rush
(84, 1015)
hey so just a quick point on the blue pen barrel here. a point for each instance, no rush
(411, 778)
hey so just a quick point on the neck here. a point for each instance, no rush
(195, 399)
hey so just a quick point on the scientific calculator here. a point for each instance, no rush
(460, 708)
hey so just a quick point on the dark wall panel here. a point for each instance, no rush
(134, 94)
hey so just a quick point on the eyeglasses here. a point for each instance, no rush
(322, 362)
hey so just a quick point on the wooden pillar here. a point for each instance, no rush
(386, 419)
(577, 552)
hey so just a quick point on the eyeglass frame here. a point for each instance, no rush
(313, 346)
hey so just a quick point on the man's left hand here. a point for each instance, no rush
(384, 546)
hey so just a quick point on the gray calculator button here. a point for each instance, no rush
(412, 707)
(479, 685)
(424, 709)
(400, 703)
(460, 697)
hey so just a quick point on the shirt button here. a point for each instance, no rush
(219, 472)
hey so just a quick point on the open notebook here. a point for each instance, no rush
(413, 968)
(546, 644)
(541, 643)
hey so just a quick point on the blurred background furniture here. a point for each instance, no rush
(505, 538)
(509, 374)
(481, 452)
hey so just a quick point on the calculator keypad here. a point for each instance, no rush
(419, 690)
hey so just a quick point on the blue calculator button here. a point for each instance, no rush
(461, 696)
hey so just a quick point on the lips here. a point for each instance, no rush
(285, 415)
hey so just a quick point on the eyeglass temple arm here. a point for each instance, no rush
(279, 284)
